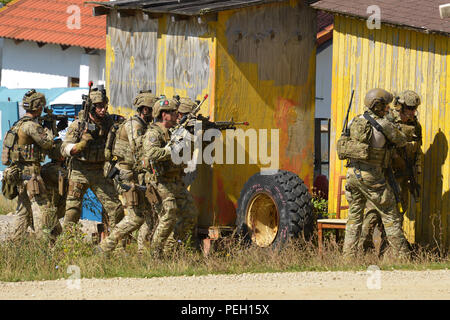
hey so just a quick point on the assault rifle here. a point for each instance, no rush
(220, 125)
(48, 120)
(413, 186)
(85, 124)
(395, 188)
(181, 126)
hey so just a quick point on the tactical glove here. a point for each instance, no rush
(85, 138)
(62, 124)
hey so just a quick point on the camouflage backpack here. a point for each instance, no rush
(10, 140)
(356, 144)
(139, 151)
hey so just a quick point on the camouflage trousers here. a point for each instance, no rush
(34, 209)
(84, 176)
(368, 185)
(372, 220)
(50, 173)
(185, 230)
(138, 215)
(177, 217)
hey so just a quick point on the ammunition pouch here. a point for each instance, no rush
(75, 189)
(94, 152)
(63, 182)
(131, 197)
(8, 144)
(26, 153)
(9, 190)
(35, 186)
(152, 194)
(10, 180)
(347, 147)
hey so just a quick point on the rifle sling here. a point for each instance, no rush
(389, 171)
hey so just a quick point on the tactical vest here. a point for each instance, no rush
(18, 147)
(95, 149)
(126, 153)
(358, 148)
(167, 168)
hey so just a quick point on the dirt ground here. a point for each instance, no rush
(297, 286)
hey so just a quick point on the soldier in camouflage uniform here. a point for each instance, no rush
(86, 148)
(163, 174)
(186, 227)
(51, 173)
(404, 116)
(366, 182)
(27, 144)
(127, 142)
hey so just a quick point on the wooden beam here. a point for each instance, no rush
(100, 11)
(151, 15)
(177, 17)
(123, 13)
(64, 47)
(89, 50)
(41, 44)
(18, 41)
(211, 17)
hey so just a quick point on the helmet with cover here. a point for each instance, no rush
(186, 105)
(376, 99)
(408, 98)
(164, 104)
(33, 100)
(144, 99)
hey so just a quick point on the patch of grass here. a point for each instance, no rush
(7, 206)
(35, 260)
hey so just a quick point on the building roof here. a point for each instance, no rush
(417, 14)
(178, 7)
(325, 25)
(46, 21)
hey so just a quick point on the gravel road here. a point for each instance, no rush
(300, 285)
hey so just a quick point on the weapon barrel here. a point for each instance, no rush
(344, 128)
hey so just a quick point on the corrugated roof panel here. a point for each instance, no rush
(419, 14)
(46, 21)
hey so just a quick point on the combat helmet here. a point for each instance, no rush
(408, 98)
(375, 98)
(33, 100)
(186, 105)
(164, 104)
(145, 98)
(98, 96)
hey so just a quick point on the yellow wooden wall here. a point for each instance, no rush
(265, 74)
(398, 59)
(260, 67)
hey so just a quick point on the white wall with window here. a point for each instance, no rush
(26, 65)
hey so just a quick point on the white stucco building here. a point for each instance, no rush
(51, 43)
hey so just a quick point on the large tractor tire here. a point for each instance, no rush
(274, 208)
